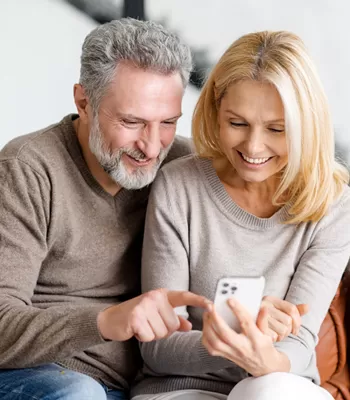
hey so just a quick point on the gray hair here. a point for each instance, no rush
(145, 44)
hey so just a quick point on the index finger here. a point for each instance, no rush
(186, 298)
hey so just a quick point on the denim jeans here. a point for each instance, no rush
(52, 382)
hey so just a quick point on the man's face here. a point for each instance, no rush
(136, 124)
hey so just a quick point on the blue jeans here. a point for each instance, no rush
(52, 382)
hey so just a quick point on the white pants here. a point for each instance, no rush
(276, 386)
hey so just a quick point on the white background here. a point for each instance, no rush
(40, 42)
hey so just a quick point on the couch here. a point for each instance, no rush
(332, 349)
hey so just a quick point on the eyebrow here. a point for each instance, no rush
(137, 119)
(275, 121)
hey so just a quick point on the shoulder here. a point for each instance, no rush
(181, 169)
(340, 209)
(178, 184)
(36, 150)
(181, 147)
(334, 226)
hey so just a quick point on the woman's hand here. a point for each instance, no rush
(252, 349)
(283, 318)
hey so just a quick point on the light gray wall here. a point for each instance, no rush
(41, 41)
(323, 24)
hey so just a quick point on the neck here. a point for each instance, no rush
(254, 197)
(94, 166)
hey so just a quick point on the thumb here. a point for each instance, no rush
(303, 309)
(262, 320)
(185, 325)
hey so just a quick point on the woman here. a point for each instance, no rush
(263, 197)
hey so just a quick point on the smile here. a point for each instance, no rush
(255, 161)
(138, 161)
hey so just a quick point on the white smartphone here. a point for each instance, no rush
(247, 291)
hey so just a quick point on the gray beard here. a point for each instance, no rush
(113, 164)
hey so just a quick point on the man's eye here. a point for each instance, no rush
(169, 122)
(132, 124)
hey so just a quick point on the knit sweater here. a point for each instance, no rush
(68, 250)
(197, 234)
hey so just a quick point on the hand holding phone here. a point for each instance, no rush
(247, 291)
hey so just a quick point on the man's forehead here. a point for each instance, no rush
(142, 108)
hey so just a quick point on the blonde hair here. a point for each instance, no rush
(312, 179)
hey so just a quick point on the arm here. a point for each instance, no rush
(165, 264)
(25, 203)
(316, 280)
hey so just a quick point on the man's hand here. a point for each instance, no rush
(148, 317)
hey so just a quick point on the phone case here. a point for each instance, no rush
(247, 291)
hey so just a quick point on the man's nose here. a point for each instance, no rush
(149, 143)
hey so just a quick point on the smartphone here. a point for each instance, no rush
(247, 291)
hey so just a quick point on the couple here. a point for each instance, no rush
(262, 196)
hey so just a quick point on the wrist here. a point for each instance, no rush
(276, 362)
(101, 324)
(107, 323)
(279, 362)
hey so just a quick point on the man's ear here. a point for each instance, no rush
(81, 102)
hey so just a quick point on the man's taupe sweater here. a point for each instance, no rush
(68, 250)
(196, 235)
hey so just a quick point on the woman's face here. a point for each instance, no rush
(252, 130)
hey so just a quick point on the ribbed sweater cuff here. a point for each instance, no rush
(83, 327)
(156, 385)
(210, 362)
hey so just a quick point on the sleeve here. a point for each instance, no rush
(29, 335)
(165, 264)
(315, 283)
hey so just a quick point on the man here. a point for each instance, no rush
(72, 208)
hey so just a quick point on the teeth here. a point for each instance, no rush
(139, 160)
(255, 160)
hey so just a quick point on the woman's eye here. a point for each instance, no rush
(238, 124)
(276, 130)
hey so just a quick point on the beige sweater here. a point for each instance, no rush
(68, 249)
